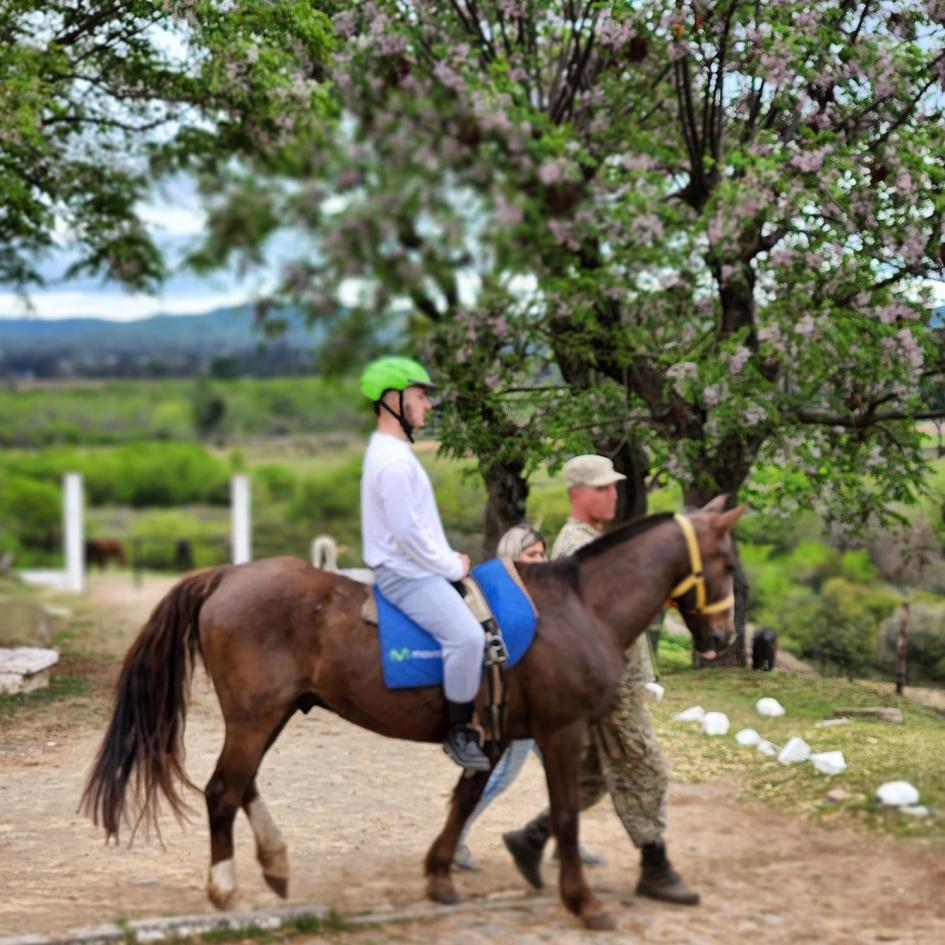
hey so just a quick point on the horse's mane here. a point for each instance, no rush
(566, 567)
(620, 535)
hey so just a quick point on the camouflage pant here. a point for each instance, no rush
(623, 757)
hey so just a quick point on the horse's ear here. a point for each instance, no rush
(726, 520)
(717, 504)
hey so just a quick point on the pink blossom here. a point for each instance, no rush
(637, 162)
(711, 395)
(738, 359)
(513, 9)
(809, 161)
(648, 228)
(770, 333)
(684, 370)
(805, 326)
(910, 348)
(508, 213)
(448, 77)
(754, 415)
(344, 23)
(561, 231)
(875, 457)
(551, 171)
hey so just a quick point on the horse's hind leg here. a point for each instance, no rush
(270, 846)
(439, 860)
(271, 850)
(243, 748)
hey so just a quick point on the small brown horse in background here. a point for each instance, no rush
(278, 636)
(99, 551)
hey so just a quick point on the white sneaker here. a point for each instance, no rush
(588, 856)
(463, 859)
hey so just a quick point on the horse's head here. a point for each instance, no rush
(706, 598)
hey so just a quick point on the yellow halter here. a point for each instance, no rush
(696, 578)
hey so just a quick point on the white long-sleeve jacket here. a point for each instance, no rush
(400, 524)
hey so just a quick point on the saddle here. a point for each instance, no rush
(497, 598)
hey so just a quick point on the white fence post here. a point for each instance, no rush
(74, 532)
(241, 519)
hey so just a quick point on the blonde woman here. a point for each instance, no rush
(521, 543)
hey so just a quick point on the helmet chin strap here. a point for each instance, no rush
(401, 418)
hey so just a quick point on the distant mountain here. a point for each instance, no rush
(226, 339)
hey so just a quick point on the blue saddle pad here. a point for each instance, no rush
(412, 657)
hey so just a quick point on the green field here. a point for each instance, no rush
(130, 411)
(302, 439)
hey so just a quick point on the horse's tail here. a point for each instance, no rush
(144, 741)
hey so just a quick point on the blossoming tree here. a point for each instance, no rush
(697, 236)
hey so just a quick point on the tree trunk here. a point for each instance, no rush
(630, 459)
(507, 490)
(902, 645)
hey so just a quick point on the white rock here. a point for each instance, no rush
(897, 794)
(715, 723)
(828, 762)
(770, 707)
(748, 737)
(767, 748)
(694, 713)
(915, 810)
(654, 691)
(795, 751)
(26, 660)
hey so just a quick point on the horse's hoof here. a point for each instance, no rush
(275, 868)
(278, 884)
(599, 921)
(221, 898)
(221, 886)
(441, 889)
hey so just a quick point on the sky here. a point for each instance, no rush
(176, 220)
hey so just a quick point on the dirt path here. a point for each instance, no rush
(358, 812)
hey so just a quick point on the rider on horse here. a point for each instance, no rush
(405, 544)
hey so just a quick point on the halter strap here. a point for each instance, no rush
(696, 578)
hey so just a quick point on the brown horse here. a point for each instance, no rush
(99, 551)
(278, 636)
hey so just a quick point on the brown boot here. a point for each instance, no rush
(659, 880)
(527, 846)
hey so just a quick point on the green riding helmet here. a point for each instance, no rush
(393, 373)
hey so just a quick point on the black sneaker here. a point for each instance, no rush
(463, 747)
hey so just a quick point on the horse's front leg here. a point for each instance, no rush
(439, 862)
(561, 752)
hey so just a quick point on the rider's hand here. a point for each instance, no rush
(465, 561)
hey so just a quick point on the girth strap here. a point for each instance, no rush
(495, 662)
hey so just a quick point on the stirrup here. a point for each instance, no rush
(462, 747)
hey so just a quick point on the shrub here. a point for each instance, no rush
(843, 631)
(30, 518)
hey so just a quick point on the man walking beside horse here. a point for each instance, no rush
(622, 756)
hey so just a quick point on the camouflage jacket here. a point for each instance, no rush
(638, 669)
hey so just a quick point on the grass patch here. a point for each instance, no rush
(332, 924)
(875, 752)
(60, 687)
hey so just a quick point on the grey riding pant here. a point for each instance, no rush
(432, 602)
